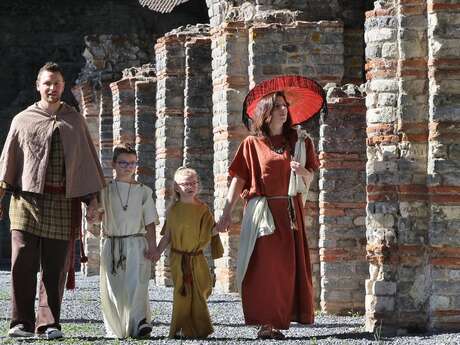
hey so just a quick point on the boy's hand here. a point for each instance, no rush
(94, 229)
(94, 215)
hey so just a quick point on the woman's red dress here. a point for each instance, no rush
(277, 287)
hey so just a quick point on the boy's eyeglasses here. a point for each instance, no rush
(125, 164)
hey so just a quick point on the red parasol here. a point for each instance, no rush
(306, 98)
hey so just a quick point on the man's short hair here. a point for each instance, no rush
(123, 148)
(50, 67)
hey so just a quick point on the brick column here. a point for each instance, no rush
(230, 85)
(342, 202)
(106, 130)
(381, 170)
(170, 64)
(198, 143)
(443, 163)
(123, 111)
(311, 219)
(145, 117)
(314, 49)
(89, 99)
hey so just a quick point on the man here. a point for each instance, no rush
(50, 165)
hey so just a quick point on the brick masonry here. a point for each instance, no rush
(412, 119)
(169, 132)
(342, 201)
(382, 217)
(230, 85)
(144, 125)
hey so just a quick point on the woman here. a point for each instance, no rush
(277, 285)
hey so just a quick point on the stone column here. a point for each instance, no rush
(230, 85)
(89, 98)
(106, 130)
(198, 143)
(169, 135)
(123, 111)
(382, 177)
(144, 123)
(397, 218)
(342, 202)
(314, 49)
(443, 163)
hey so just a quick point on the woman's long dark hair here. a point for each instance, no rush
(260, 125)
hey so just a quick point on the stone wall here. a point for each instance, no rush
(170, 65)
(397, 204)
(413, 201)
(342, 201)
(198, 143)
(230, 85)
(443, 184)
(25, 48)
(120, 34)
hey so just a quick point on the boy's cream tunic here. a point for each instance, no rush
(125, 273)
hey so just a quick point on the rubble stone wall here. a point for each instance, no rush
(382, 215)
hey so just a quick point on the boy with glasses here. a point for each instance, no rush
(128, 245)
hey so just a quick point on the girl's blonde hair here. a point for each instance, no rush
(182, 171)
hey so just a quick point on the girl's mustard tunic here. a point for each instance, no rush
(190, 227)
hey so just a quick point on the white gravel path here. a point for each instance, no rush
(82, 322)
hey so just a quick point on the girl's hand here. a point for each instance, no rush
(152, 254)
(299, 169)
(94, 229)
(224, 222)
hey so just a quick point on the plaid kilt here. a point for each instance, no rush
(49, 214)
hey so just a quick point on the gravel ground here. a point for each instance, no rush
(82, 322)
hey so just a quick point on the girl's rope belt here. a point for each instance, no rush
(186, 266)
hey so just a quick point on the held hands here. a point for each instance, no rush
(152, 254)
(223, 223)
(94, 213)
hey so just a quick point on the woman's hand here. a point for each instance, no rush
(224, 222)
(234, 191)
(299, 169)
(152, 253)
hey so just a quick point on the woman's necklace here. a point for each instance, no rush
(278, 150)
(124, 206)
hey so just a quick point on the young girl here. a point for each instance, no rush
(189, 228)
(128, 245)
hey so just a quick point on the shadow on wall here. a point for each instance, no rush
(25, 48)
(35, 32)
